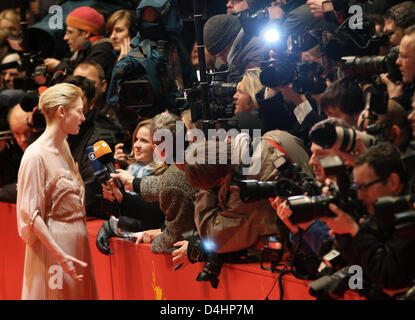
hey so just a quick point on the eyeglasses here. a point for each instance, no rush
(365, 186)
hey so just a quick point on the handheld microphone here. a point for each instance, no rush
(105, 156)
(57, 77)
(29, 101)
(100, 172)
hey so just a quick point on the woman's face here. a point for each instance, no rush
(143, 149)
(243, 101)
(6, 23)
(119, 33)
(74, 116)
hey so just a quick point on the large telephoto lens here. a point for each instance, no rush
(305, 209)
(253, 190)
(330, 136)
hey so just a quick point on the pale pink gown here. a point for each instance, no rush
(49, 185)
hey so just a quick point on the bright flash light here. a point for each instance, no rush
(209, 245)
(271, 35)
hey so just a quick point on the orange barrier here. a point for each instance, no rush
(133, 272)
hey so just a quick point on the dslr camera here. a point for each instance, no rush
(330, 136)
(305, 76)
(289, 181)
(307, 208)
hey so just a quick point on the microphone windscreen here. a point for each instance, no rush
(100, 172)
(103, 152)
(29, 101)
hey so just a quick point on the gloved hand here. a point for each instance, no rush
(130, 224)
(104, 234)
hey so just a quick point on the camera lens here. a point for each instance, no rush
(325, 136)
(305, 208)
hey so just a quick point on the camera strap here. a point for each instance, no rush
(279, 148)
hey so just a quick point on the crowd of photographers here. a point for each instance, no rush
(329, 84)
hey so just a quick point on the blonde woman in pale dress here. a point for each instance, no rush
(51, 206)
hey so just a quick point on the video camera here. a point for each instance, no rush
(220, 100)
(289, 181)
(307, 208)
(305, 76)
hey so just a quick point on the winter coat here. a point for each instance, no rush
(237, 227)
(176, 198)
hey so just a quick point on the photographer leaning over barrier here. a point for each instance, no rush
(386, 259)
(220, 214)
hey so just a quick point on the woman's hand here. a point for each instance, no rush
(180, 254)
(119, 152)
(111, 192)
(70, 264)
(148, 236)
(125, 177)
(125, 48)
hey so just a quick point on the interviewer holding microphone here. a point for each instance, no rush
(51, 206)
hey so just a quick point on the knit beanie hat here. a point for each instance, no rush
(86, 19)
(219, 31)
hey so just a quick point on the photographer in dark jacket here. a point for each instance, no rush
(224, 37)
(386, 259)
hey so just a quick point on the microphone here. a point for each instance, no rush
(57, 77)
(102, 175)
(104, 154)
(29, 101)
(100, 172)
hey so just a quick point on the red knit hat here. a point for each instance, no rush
(87, 19)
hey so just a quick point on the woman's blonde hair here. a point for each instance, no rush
(61, 94)
(11, 15)
(141, 124)
(252, 83)
(187, 119)
(117, 16)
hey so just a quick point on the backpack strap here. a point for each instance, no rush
(278, 147)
